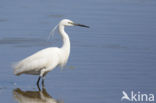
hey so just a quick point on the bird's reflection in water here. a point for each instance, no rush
(40, 96)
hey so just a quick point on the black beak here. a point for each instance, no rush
(81, 25)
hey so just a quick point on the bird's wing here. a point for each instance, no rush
(34, 62)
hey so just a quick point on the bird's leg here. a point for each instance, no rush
(43, 78)
(38, 81)
(38, 86)
(42, 74)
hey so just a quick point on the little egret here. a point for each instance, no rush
(47, 59)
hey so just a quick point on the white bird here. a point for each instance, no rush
(47, 59)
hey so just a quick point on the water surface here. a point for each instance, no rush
(117, 53)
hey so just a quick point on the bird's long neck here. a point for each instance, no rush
(66, 40)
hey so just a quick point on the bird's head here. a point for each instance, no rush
(67, 22)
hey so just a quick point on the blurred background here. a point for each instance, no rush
(117, 52)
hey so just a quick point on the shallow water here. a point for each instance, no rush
(117, 53)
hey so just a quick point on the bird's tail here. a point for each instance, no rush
(16, 69)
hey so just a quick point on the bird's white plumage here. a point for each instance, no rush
(38, 61)
(47, 59)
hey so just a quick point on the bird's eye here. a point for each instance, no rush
(69, 22)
